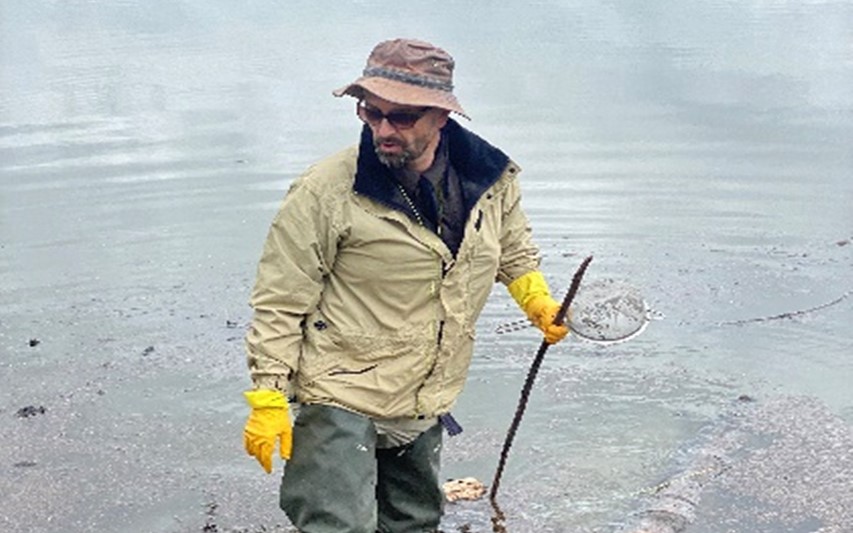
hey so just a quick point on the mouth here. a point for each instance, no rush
(389, 145)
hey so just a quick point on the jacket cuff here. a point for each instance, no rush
(272, 382)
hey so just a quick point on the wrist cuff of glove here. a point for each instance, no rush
(528, 287)
(265, 398)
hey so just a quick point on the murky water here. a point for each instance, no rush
(702, 151)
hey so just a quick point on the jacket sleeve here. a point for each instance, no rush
(519, 255)
(299, 250)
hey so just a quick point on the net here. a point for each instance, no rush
(607, 311)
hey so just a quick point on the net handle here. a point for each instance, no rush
(573, 290)
(498, 518)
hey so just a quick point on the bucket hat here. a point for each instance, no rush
(408, 72)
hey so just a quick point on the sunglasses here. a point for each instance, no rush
(402, 120)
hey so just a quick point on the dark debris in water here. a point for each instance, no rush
(147, 351)
(211, 526)
(34, 342)
(30, 410)
(789, 314)
(24, 464)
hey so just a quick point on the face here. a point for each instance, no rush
(399, 147)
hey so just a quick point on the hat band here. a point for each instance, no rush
(408, 77)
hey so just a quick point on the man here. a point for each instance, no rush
(372, 277)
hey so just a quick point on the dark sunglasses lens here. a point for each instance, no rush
(370, 115)
(398, 119)
(402, 120)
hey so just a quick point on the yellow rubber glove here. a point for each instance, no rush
(268, 423)
(531, 293)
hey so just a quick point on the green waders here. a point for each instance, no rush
(337, 481)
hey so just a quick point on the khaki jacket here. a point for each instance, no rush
(358, 305)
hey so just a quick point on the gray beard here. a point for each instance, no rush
(394, 161)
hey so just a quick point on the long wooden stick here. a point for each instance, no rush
(498, 518)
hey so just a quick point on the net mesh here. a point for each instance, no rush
(608, 310)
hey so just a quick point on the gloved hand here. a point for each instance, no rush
(541, 310)
(531, 293)
(268, 423)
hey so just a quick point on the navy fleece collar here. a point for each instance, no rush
(477, 163)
